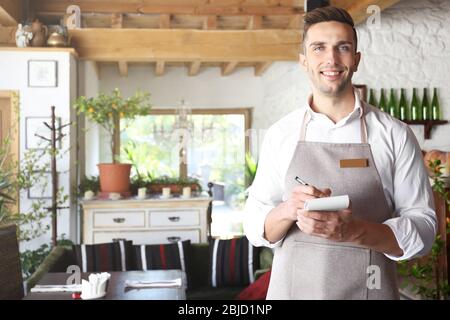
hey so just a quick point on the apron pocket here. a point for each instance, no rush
(329, 272)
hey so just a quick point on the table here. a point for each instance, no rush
(116, 289)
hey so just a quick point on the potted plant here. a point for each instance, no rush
(424, 276)
(175, 184)
(107, 110)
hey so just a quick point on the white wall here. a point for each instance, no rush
(36, 102)
(411, 49)
(207, 90)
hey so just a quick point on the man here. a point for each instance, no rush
(338, 145)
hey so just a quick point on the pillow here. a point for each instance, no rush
(232, 262)
(112, 256)
(257, 290)
(163, 256)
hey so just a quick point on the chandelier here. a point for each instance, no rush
(183, 119)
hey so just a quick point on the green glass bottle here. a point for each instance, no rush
(425, 106)
(372, 99)
(435, 108)
(382, 105)
(416, 112)
(403, 107)
(392, 105)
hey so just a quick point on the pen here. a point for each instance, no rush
(301, 181)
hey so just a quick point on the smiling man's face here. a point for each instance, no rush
(330, 57)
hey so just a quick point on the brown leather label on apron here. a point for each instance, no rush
(354, 163)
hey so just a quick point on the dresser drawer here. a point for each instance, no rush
(119, 219)
(174, 218)
(148, 237)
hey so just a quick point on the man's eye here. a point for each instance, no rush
(317, 49)
(344, 48)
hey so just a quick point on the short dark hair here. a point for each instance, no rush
(326, 14)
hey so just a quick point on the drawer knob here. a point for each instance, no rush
(119, 220)
(173, 239)
(174, 219)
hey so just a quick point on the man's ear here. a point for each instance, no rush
(303, 62)
(357, 61)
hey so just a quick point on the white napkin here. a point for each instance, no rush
(57, 288)
(327, 204)
(95, 287)
(175, 283)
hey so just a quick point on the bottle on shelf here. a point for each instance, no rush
(372, 99)
(382, 105)
(392, 105)
(435, 108)
(403, 107)
(416, 111)
(425, 107)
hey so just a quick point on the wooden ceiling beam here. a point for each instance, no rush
(358, 9)
(194, 68)
(210, 23)
(254, 23)
(261, 67)
(10, 12)
(195, 7)
(116, 20)
(296, 22)
(229, 67)
(160, 66)
(8, 35)
(106, 44)
(164, 21)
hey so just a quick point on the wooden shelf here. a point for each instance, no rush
(41, 49)
(428, 125)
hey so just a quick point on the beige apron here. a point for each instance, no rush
(310, 267)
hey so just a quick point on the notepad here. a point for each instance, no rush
(327, 204)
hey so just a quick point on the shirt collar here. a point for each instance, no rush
(358, 110)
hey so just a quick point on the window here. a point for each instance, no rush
(216, 144)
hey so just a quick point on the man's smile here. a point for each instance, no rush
(332, 75)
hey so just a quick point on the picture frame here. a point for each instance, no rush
(35, 125)
(42, 188)
(42, 73)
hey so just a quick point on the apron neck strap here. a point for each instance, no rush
(363, 128)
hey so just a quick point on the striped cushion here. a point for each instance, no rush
(112, 256)
(233, 262)
(161, 256)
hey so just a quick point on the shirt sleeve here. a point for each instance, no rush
(415, 223)
(264, 194)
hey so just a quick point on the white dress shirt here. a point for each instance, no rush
(397, 156)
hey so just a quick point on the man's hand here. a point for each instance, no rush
(280, 219)
(338, 226)
(298, 197)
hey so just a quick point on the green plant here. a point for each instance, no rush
(31, 259)
(180, 182)
(108, 109)
(88, 183)
(251, 165)
(425, 275)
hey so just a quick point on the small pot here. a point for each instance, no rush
(114, 177)
(56, 40)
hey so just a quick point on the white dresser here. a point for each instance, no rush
(147, 221)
